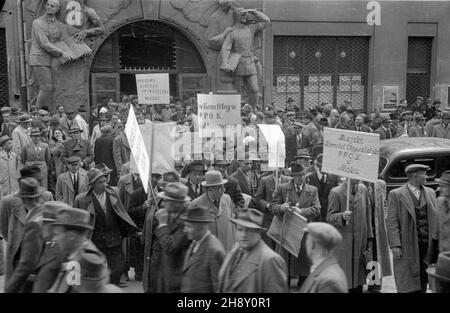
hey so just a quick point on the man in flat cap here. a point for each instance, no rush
(442, 130)
(72, 182)
(9, 168)
(78, 147)
(251, 266)
(326, 274)
(412, 229)
(407, 122)
(418, 129)
(110, 219)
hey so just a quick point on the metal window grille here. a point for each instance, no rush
(4, 93)
(315, 70)
(419, 68)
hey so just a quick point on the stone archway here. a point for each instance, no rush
(147, 46)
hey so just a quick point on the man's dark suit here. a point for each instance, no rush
(103, 153)
(82, 149)
(323, 188)
(245, 188)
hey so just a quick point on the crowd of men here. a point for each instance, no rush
(203, 226)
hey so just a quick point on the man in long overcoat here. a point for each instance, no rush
(121, 150)
(9, 168)
(79, 147)
(110, 219)
(103, 153)
(305, 198)
(355, 226)
(412, 228)
(443, 211)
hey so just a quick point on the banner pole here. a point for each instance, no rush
(347, 209)
(149, 195)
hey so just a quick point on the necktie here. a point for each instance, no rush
(323, 179)
(75, 183)
(359, 128)
(217, 203)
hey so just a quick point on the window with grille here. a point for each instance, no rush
(4, 91)
(315, 70)
(419, 68)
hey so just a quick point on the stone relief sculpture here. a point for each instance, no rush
(238, 51)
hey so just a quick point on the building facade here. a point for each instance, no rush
(312, 52)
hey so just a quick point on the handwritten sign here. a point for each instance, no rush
(153, 88)
(351, 154)
(137, 147)
(218, 110)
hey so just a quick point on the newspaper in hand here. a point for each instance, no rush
(287, 230)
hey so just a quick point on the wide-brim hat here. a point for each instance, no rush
(213, 178)
(406, 113)
(297, 169)
(197, 214)
(303, 154)
(93, 264)
(444, 179)
(196, 166)
(29, 188)
(250, 218)
(72, 217)
(442, 269)
(102, 167)
(4, 139)
(35, 132)
(175, 192)
(94, 175)
(24, 118)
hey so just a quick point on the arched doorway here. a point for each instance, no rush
(146, 47)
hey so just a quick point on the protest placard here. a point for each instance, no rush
(218, 111)
(153, 88)
(137, 147)
(275, 139)
(351, 154)
(288, 230)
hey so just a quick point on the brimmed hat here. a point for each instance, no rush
(445, 115)
(302, 154)
(175, 192)
(250, 218)
(415, 168)
(444, 179)
(297, 169)
(92, 264)
(442, 269)
(42, 112)
(386, 119)
(107, 129)
(73, 159)
(31, 171)
(71, 217)
(29, 188)
(35, 132)
(103, 168)
(94, 175)
(325, 234)
(5, 110)
(4, 139)
(75, 129)
(406, 113)
(197, 166)
(24, 118)
(50, 209)
(213, 178)
(197, 214)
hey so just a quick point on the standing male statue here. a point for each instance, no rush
(237, 51)
(45, 32)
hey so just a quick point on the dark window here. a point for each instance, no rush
(4, 90)
(397, 171)
(419, 68)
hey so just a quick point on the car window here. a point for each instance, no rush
(442, 164)
(397, 171)
(382, 164)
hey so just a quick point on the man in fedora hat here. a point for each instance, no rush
(36, 153)
(304, 158)
(205, 254)
(243, 176)
(412, 229)
(20, 135)
(232, 187)
(9, 167)
(72, 228)
(324, 183)
(110, 219)
(443, 211)
(442, 130)
(220, 206)
(78, 147)
(384, 130)
(196, 174)
(326, 275)
(171, 237)
(299, 195)
(251, 266)
(32, 242)
(13, 216)
(418, 130)
(103, 152)
(72, 182)
(439, 275)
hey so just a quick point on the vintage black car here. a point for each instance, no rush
(396, 154)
